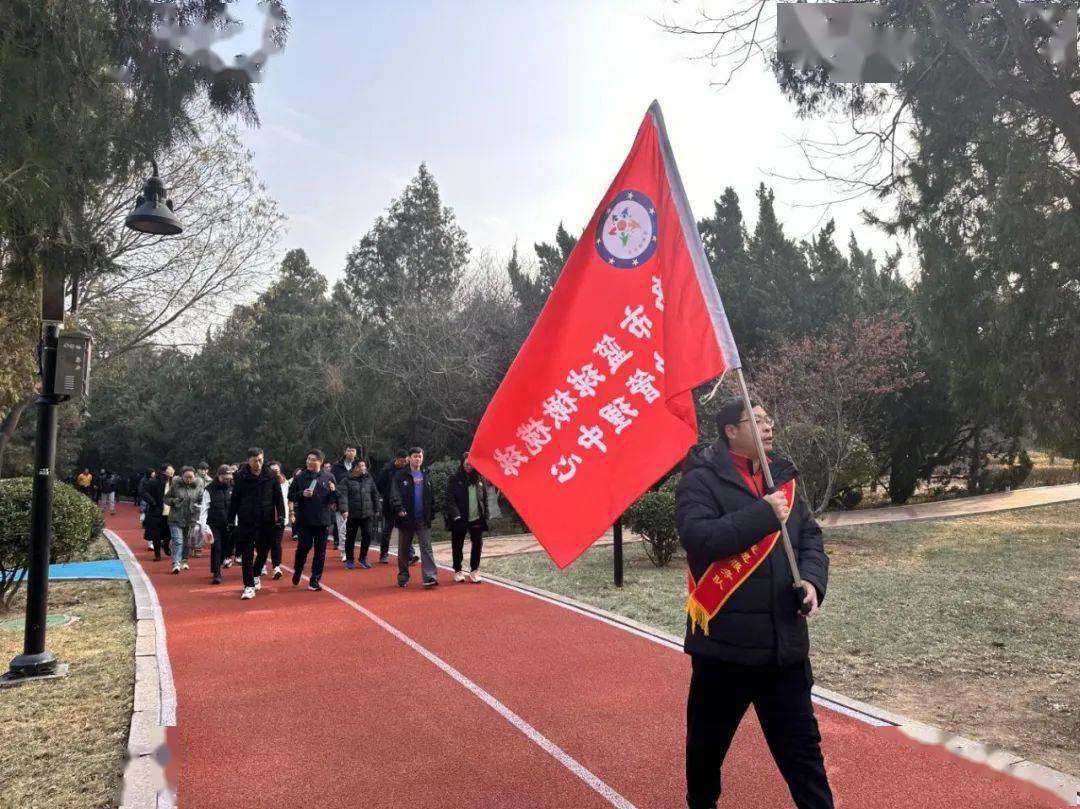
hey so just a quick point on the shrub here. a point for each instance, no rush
(653, 517)
(76, 523)
(847, 498)
(439, 474)
(1004, 477)
(1053, 475)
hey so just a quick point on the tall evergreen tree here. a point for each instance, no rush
(532, 289)
(415, 252)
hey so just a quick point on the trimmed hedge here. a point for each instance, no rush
(76, 523)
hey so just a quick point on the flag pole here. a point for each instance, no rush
(617, 537)
(788, 552)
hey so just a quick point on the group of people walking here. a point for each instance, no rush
(103, 488)
(247, 507)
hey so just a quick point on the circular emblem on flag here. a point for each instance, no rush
(626, 233)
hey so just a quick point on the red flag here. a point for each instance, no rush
(598, 404)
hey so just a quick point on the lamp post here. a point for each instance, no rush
(153, 214)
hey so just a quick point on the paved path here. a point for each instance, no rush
(960, 507)
(473, 696)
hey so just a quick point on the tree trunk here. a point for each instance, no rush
(975, 461)
(10, 423)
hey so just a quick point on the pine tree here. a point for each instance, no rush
(415, 252)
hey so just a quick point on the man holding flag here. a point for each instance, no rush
(747, 641)
(598, 406)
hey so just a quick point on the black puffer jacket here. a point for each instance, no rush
(147, 491)
(315, 510)
(217, 513)
(256, 499)
(363, 498)
(340, 471)
(456, 503)
(719, 516)
(384, 482)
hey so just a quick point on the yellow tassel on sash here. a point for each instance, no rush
(699, 616)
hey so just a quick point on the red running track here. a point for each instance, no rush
(297, 698)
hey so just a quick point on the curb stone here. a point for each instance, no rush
(154, 703)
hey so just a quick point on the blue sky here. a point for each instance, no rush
(522, 111)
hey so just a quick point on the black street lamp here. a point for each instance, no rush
(36, 660)
(153, 214)
(153, 211)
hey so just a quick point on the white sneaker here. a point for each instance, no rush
(184, 566)
(277, 572)
(249, 592)
(149, 546)
(176, 568)
(258, 583)
(459, 575)
(344, 558)
(474, 577)
(263, 571)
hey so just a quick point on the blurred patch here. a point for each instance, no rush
(198, 42)
(856, 46)
(850, 40)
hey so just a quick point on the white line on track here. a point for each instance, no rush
(544, 743)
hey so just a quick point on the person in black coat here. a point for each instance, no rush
(414, 508)
(257, 508)
(466, 512)
(755, 649)
(341, 470)
(384, 483)
(219, 493)
(145, 482)
(155, 524)
(312, 493)
(362, 507)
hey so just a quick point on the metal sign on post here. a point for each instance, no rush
(52, 296)
(73, 365)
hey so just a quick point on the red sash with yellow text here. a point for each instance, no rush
(723, 577)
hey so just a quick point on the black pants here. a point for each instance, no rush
(220, 550)
(159, 535)
(352, 525)
(458, 529)
(311, 536)
(275, 546)
(384, 535)
(228, 547)
(253, 542)
(720, 693)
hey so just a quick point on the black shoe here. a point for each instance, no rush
(431, 582)
(216, 580)
(295, 578)
(413, 560)
(403, 584)
(313, 584)
(383, 560)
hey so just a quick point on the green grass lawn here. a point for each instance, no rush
(971, 624)
(65, 740)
